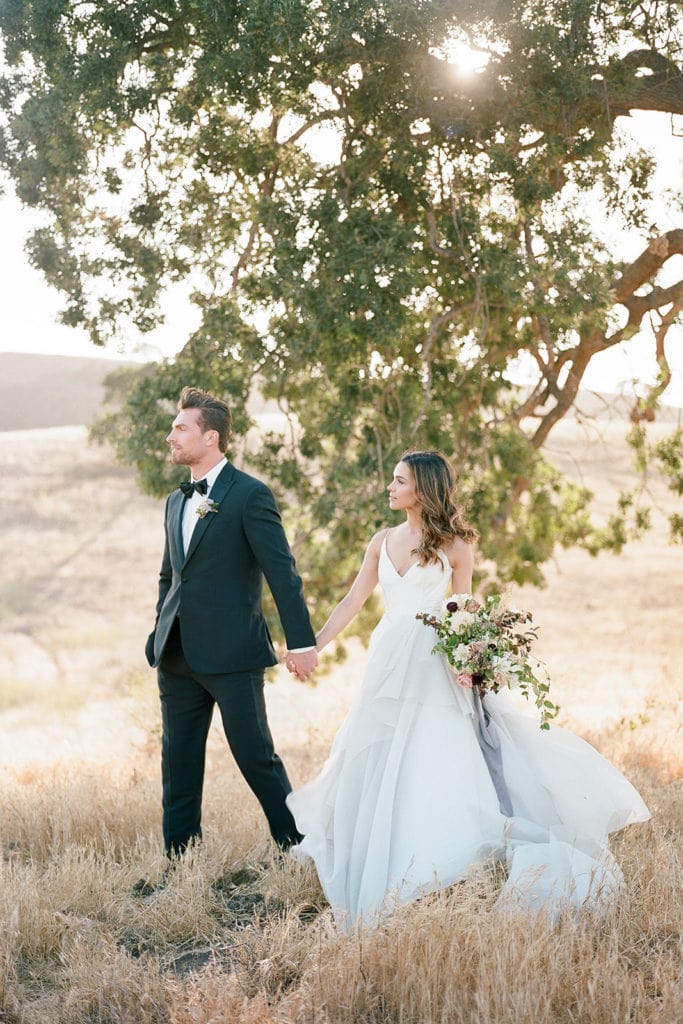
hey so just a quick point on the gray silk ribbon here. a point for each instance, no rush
(489, 742)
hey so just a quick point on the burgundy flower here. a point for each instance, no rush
(487, 649)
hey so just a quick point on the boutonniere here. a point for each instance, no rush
(205, 506)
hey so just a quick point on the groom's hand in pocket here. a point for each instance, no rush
(149, 648)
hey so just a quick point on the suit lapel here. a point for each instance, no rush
(224, 482)
(175, 527)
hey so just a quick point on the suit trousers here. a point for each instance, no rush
(187, 703)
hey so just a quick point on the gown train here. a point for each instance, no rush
(406, 805)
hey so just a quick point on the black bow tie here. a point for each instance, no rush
(188, 487)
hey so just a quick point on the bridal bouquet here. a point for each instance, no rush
(488, 646)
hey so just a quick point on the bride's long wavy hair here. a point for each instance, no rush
(442, 517)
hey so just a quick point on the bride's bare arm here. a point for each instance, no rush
(461, 556)
(361, 588)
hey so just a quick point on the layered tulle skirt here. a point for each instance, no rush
(405, 803)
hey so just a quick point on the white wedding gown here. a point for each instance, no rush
(405, 804)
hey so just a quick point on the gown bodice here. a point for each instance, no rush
(421, 588)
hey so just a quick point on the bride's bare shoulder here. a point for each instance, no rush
(459, 552)
(377, 540)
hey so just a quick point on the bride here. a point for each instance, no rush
(405, 803)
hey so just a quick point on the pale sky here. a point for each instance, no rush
(29, 307)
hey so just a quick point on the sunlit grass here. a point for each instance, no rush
(16, 693)
(237, 936)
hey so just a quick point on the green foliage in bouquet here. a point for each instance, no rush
(488, 646)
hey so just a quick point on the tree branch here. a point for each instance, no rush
(644, 268)
(325, 115)
(437, 323)
(661, 90)
(581, 356)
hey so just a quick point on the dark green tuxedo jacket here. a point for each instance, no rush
(215, 588)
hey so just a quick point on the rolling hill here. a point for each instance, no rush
(50, 391)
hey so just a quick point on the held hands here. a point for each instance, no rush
(302, 663)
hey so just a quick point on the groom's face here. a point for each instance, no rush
(187, 440)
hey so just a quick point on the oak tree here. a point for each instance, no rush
(373, 239)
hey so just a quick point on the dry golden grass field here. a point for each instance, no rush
(235, 936)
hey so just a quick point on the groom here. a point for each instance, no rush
(210, 643)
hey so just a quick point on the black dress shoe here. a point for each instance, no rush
(288, 842)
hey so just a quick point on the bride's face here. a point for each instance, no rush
(402, 490)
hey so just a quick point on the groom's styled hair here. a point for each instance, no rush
(213, 413)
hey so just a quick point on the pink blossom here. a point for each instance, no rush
(464, 679)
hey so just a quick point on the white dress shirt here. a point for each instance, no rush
(192, 503)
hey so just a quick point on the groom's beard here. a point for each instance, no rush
(180, 458)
